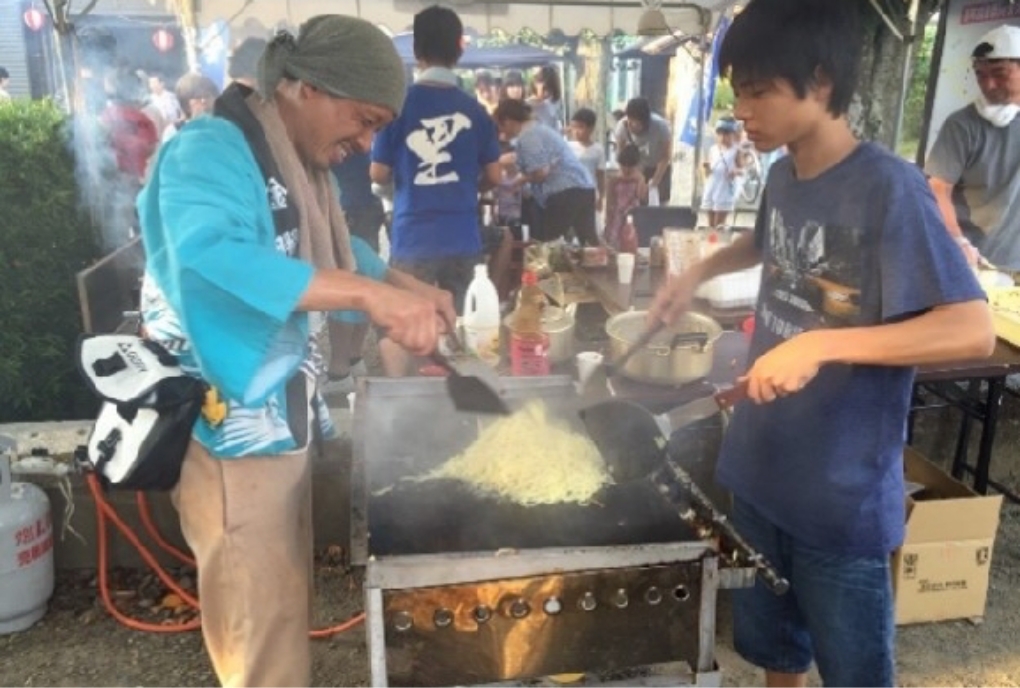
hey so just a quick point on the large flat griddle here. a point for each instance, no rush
(407, 427)
(446, 516)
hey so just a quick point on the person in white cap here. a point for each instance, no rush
(974, 166)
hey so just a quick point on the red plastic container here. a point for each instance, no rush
(529, 354)
(747, 327)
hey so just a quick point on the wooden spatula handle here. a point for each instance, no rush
(728, 398)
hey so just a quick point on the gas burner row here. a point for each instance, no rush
(520, 608)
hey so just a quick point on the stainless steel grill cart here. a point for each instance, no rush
(462, 589)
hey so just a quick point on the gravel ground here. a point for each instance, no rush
(77, 644)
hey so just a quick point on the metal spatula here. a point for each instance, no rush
(468, 388)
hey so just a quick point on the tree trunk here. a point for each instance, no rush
(878, 101)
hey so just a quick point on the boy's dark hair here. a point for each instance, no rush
(796, 41)
(513, 110)
(725, 125)
(629, 156)
(4, 74)
(484, 79)
(585, 116)
(513, 78)
(639, 109)
(550, 78)
(244, 60)
(437, 36)
(191, 86)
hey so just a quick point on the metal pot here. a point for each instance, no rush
(673, 357)
(559, 324)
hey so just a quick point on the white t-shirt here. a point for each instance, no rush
(593, 156)
(168, 105)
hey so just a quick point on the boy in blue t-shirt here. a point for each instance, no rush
(861, 283)
(439, 153)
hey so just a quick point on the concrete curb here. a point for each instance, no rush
(330, 496)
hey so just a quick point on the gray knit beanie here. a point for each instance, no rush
(345, 56)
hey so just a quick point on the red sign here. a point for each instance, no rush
(163, 40)
(34, 19)
(33, 541)
(989, 12)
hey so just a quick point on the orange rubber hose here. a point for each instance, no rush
(339, 628)
(105, 511)
(150, 528)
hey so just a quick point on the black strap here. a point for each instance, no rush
(232, 107)
(107, 448)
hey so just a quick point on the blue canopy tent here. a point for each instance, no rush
(476, 57)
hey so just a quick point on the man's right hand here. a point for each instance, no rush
(408, 319)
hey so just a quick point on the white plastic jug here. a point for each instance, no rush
(481, 317)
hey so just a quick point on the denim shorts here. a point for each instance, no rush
(838, 612)
(492, 239)
(453, 274)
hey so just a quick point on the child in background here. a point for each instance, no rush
(625, 191)
(722, 170)
(592, 155)
(513, 86)
(509, 196)
(546, 100)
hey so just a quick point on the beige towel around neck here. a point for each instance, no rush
(323, 238)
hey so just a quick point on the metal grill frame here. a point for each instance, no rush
(411, 572)
(423, 571)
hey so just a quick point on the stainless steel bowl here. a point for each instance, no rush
(669, 359)
(559, 324)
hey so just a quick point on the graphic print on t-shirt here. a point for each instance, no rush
(430, 143)
(812, 277)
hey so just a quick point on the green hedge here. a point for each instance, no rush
(45, 238)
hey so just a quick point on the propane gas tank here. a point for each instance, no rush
(26, 549)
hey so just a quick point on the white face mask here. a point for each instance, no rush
(997, 115)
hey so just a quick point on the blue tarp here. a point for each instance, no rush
(705, 96)
(475, 57)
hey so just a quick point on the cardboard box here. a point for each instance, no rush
(941, 571)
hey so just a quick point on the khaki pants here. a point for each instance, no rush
(249, 523)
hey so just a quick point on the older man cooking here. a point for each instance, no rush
(244, 237)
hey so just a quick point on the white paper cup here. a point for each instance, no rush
(587, 362)
(625, 267)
